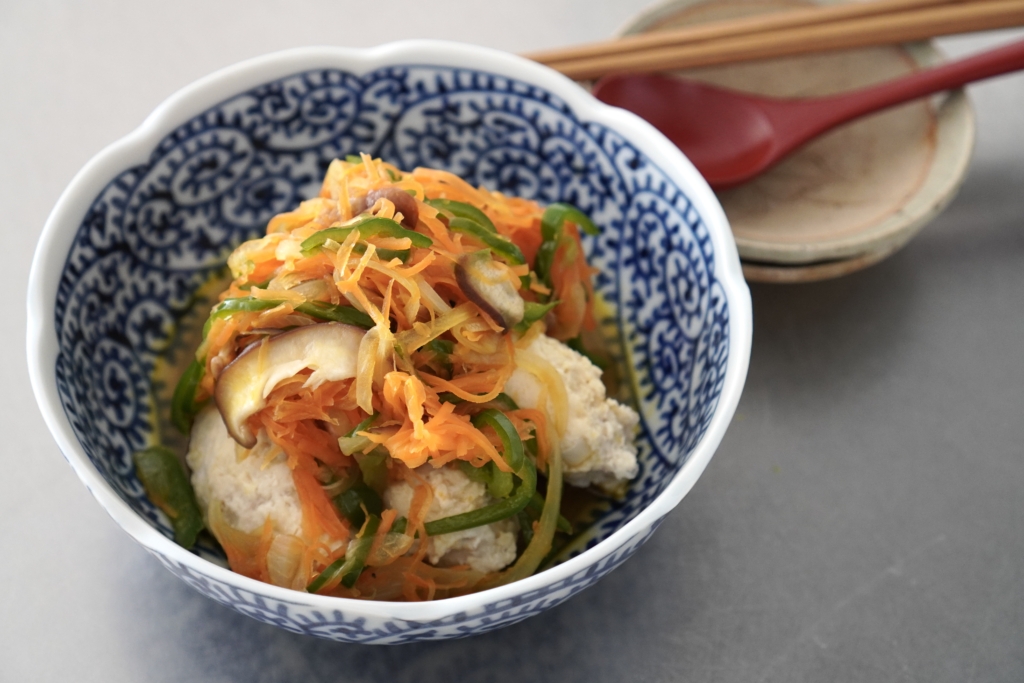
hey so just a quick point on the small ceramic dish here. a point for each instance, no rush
(149, 221)
(855, 195)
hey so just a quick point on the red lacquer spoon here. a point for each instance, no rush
(732, 136)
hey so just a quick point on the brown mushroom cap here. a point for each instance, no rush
(485, 282)
(329, 349)
(404, 203)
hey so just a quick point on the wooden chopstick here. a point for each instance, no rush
(861, 31)
(730, 28)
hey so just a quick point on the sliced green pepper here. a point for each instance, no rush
(520, 464)
(321, 310)
(249, 286)
(525, 526)
(498, 482)
(492, 240)
(536, 506)
(351, 503)
(477, 474)
(400, 525)
(373, 465)
(352, 442)
(495, 512)
(463, 210)
(502, 401)
(358, 552)
(167, 486)
(389, 254)
(442, 350)
(510, 440)
(500, 485)
(376, 226)
(364, 425)
(552, 223)
(350, 566)
(534, 312)
(239, 305)
(183, 403)
(544, 260)
(558, 214)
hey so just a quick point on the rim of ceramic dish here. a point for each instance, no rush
(63, 222)
(954, 136)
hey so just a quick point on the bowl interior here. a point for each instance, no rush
(146, 252)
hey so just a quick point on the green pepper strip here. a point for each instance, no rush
(376, 226)
(183, 408)
(355, 557)
(373, 465)
(520, 464)
(167, 486)
(350, 566)
(502, 400)
(551, 223)
(495, 512)
(556, 216)
(442, 350)
(320, 310)
(536, 506)
(239, 305)
(532, 313)
(498, 482)
(540, 543)
(463, 210)
(500, 485)
(352, 502)
(510, 440)
(364, 425)
(492, 240)
(545, 258)
(389, 254)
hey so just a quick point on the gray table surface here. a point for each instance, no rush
(862, 520)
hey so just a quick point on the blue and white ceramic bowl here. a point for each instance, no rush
(154, 216)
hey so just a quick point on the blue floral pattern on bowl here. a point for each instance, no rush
(162, 229)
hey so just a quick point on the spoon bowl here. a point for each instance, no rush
(724, 133)
(732, 137)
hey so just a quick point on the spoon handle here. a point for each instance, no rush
(837, 109)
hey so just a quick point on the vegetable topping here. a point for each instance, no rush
(363, 443)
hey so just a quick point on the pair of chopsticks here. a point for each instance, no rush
(790, 32)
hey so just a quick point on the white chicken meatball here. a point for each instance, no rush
(485, 548)
(597, 446)
(250, 489)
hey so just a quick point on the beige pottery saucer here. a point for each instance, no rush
(855, 195)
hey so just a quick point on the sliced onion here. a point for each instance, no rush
(551, 381)
(422, 333)
(311, 290)
(428, 293)
(391, 547)
(283, 559)
(366, 361)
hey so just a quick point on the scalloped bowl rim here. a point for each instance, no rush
(136, 147)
